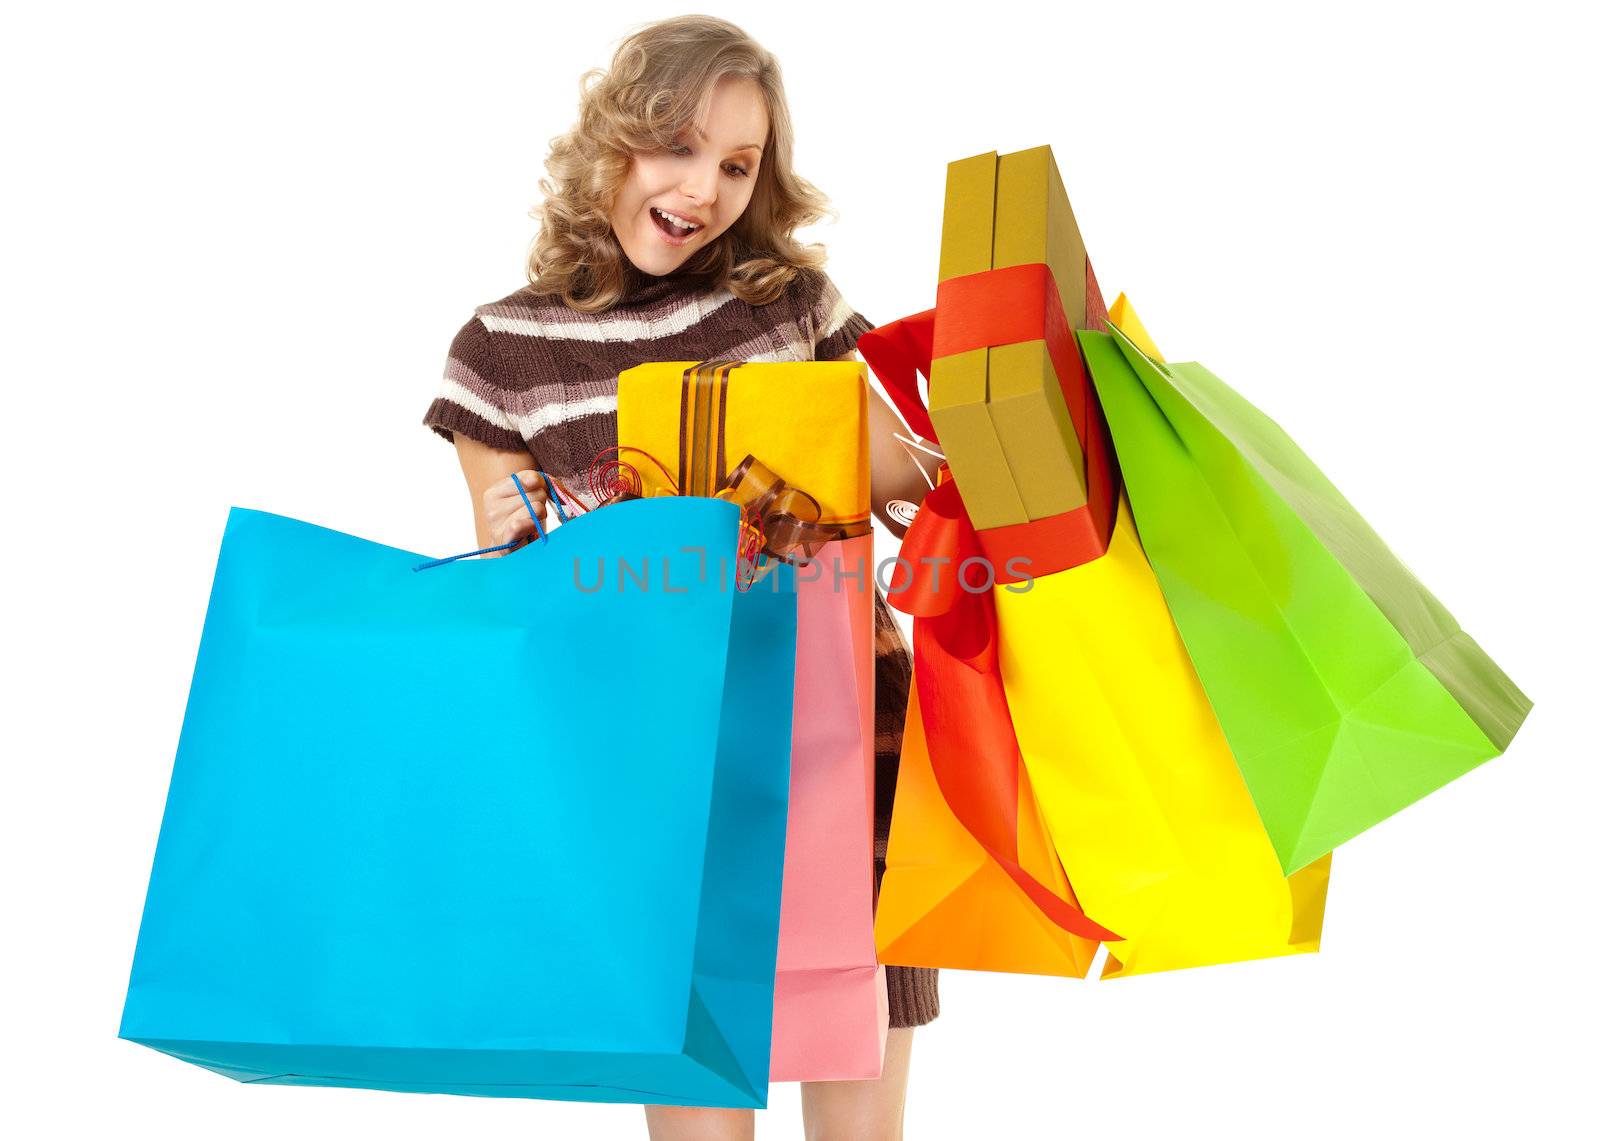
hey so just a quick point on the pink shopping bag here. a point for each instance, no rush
(831, 1007)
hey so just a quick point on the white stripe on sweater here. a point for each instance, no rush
(548, 415)
(525, 424)
(552, 414)
(457, 393)
(837, 316)
(601, 327)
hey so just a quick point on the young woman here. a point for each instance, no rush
(667, 234)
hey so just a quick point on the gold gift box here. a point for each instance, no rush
(999, 412)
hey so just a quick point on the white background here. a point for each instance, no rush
(237, 242)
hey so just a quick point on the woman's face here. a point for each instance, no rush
(705, 180)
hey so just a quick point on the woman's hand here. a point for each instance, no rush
(504, 512)
(498, 513)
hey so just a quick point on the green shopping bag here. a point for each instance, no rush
(1346, 690)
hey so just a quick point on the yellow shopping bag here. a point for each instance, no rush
(1146, 805)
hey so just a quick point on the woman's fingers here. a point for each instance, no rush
(504, 510)
(502, 494)
(513, 527)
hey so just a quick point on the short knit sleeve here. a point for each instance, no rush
(470, 398)
(833, 323)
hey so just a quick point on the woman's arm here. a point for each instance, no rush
(895, 474)
(498, 513)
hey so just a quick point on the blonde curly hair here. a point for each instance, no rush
(660, 82)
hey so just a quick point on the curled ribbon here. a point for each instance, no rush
(779, 520)
(785, 517)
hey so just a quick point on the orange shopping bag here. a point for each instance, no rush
(946, 903)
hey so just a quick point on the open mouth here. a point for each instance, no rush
(674, 230)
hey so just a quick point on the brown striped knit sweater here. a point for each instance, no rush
(528, 373)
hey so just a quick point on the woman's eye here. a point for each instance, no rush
(733, 169)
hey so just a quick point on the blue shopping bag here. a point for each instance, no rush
(509, 827)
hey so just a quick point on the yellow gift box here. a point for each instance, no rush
(806, 421)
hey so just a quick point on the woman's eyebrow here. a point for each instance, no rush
(745, 147)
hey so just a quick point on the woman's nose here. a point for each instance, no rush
(700, 184)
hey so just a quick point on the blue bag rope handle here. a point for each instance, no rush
(554, 498)
(534, 515)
